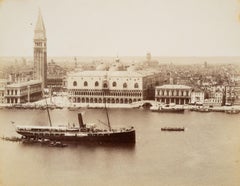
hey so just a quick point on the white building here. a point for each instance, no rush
(178, 94)
(109, 86)
(23, 92)
(197, 97)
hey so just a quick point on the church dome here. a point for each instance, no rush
(132, 68)
(115, 67)
(102, 66)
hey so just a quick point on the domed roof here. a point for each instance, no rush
(115, 67)
(132, 68)
(102, 66)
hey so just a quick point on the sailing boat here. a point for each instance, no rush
(84, 133)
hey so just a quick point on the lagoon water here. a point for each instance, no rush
(207, 153)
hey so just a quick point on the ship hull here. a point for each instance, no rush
(78, 137)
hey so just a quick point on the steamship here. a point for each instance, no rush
(83, 133)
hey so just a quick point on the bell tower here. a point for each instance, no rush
(40, 51)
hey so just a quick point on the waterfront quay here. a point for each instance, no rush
(62, 102)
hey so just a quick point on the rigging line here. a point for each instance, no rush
(103, 123)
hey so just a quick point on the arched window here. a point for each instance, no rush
(136, 85)
(105, 85)
(85, 84)
(96, 84)
(114, 84)
(124, 85)
(74, 83)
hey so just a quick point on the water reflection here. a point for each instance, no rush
(86, 146)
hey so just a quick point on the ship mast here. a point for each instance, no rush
(49, 118)
(105, 90)
(109, 125)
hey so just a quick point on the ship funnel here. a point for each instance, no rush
(80, 120)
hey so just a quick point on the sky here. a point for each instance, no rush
(123, 27)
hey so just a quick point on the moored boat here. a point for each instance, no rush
(167, 108)
(201, 109)
(232, 111)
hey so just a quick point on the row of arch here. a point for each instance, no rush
(112, 93)
(105, 84)
(173, 93)
(178, 101)
(104, 100)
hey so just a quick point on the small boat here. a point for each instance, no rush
(201, 109)
(232, 111)
(173, 129)
(13, 139)
(57, 144)
(167, 108)
(29, 140)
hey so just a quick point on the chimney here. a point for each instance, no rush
(80, 121)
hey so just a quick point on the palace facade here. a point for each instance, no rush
(178, 94)
(121, 87)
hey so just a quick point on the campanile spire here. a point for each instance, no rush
(40, 32)
(40, 51)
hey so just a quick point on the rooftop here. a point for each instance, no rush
(22, 84)
(174, 87)
(109, 74)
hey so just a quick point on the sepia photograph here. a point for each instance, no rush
(120, 93)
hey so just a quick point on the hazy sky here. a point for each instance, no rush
(123, 27)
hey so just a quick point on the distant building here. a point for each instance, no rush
(214, 99)
(197, 97)
(237, 93)
(205, 64)
(149, 62)
(40, 52)
(229, 95)
(178, 94)
(23, 92)
(20, 73)
(3, 84)
(110, 86)
(55, 76)
(55, 83)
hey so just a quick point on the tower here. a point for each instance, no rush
(40, 51)
(148, 57)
